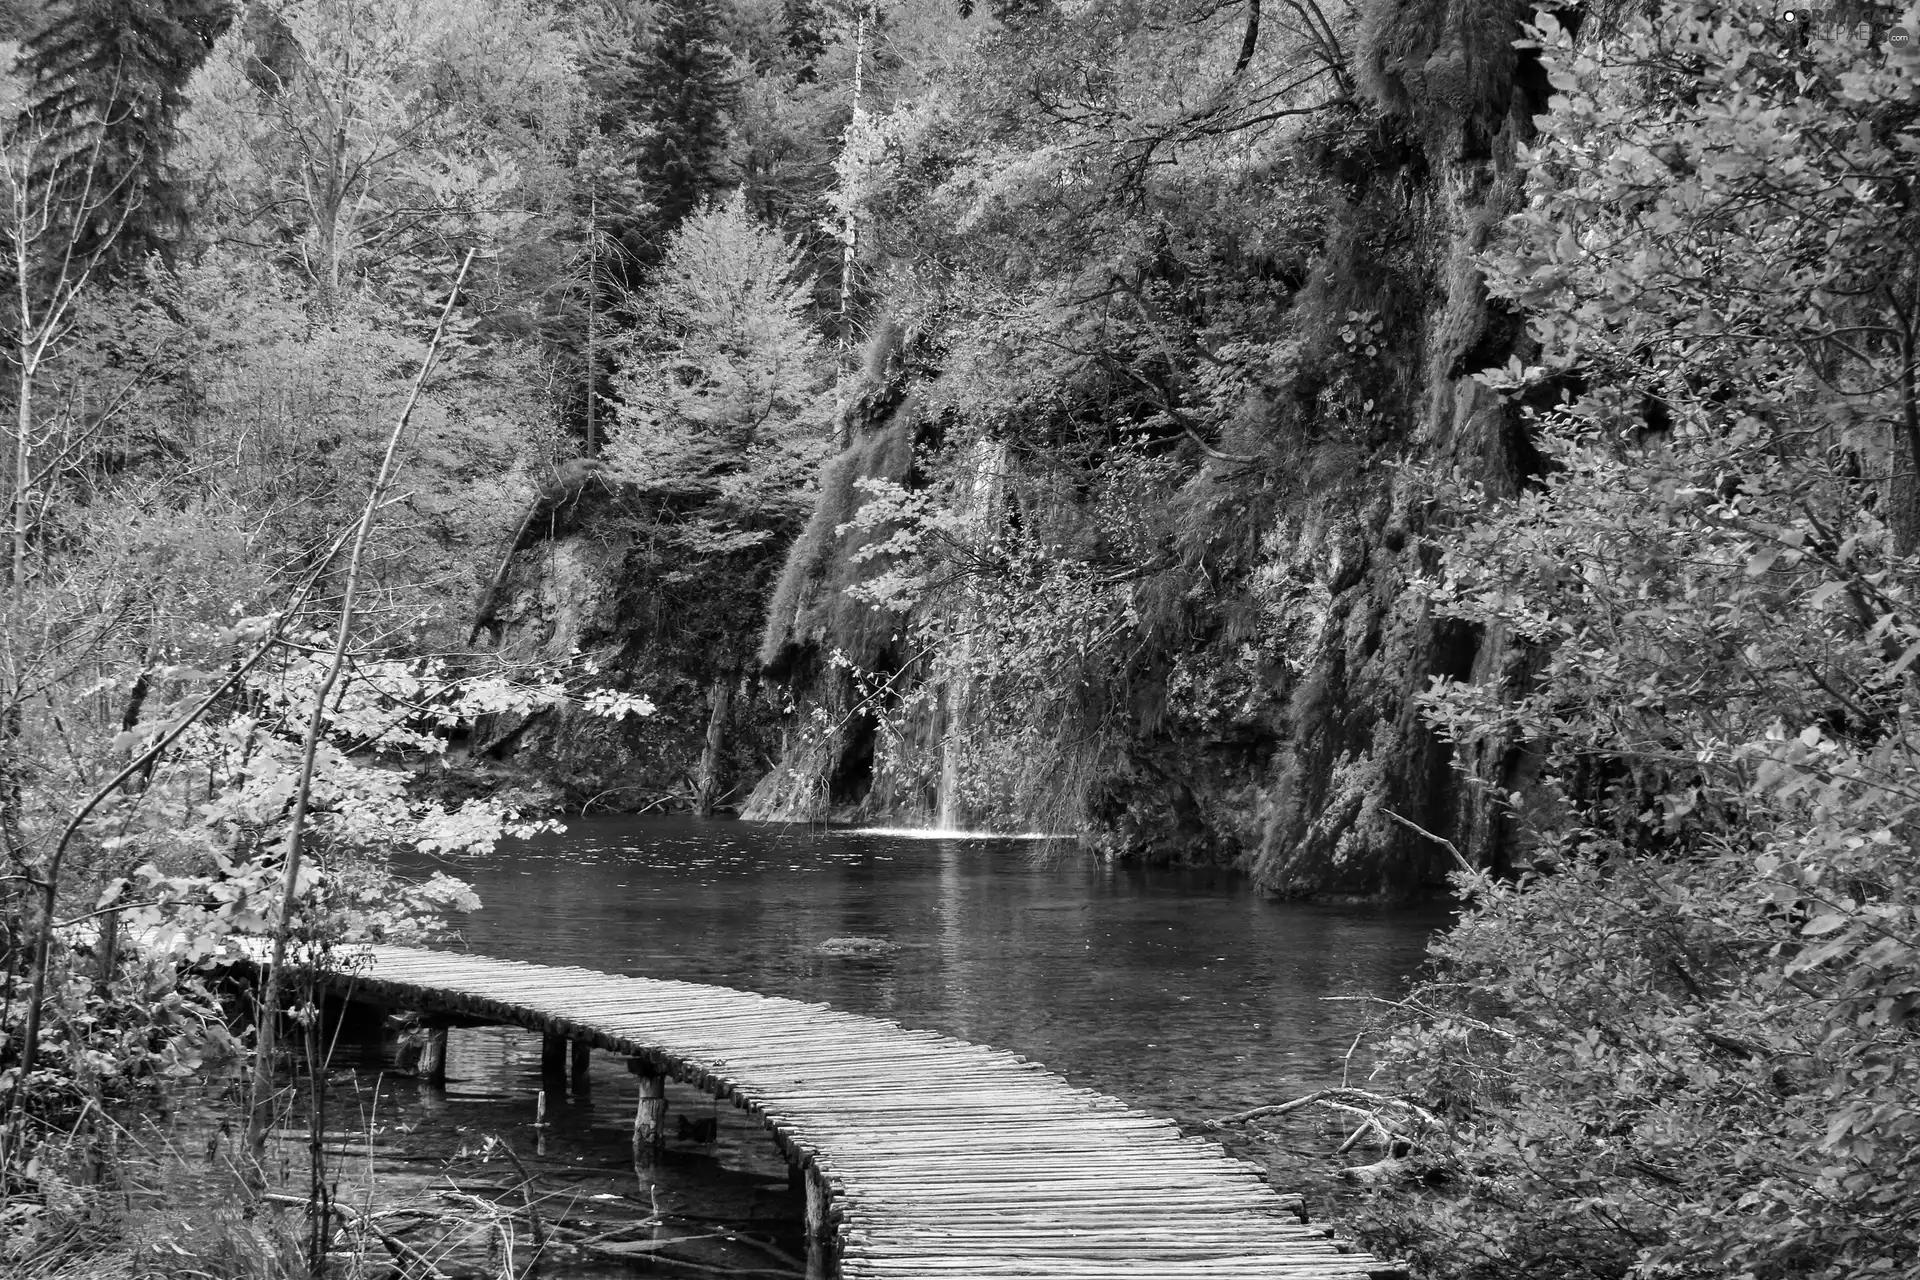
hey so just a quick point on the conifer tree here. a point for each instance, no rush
(18, 19)
(669, 102)
(108, 80)
(805, 22)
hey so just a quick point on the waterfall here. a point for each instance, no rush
(981, 510)
(948, 817)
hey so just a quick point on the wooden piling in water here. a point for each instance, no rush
(582, 1057)
(819, 1229)
(650, 1115)
(553, 1055)
(433, 1056)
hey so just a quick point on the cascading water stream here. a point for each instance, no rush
(982, 514)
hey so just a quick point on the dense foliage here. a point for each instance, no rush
(1687, 1045)
(221, 303)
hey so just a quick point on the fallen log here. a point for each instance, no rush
(1386, 1170)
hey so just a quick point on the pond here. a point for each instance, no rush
(1180, 991)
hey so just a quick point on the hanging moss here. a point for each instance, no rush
(811, 608)
(1447, 64)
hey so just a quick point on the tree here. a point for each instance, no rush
(378, 138)
(720, 385)
(108, 87)
(665, 101)
(721, 425)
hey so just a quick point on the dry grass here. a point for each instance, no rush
(97, 1204)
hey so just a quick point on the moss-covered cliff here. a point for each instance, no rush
(1263, 709)
(585, 584)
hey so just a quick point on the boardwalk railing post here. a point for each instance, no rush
(650, 1116)
(582, 1055)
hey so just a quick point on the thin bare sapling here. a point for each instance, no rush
(261, 1094)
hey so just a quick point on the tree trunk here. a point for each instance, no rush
(35, 909)
(326, 275)
(1904, 495)
(849, 254)
(22, 474)
(707, 790)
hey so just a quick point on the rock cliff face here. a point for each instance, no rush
(577, 591)
(1356, 753)
(1313, 788)
(825, 766)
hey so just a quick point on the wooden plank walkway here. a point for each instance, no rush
(926, 1156)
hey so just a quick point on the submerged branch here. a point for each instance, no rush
(1344, 1098)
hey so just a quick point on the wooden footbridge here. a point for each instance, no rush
(923, 1156)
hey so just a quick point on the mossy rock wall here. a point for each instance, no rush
(582, 595)
(823, 771)
(1357, 765)
(1316, 792)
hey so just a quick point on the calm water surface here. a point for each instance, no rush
(1182, 992)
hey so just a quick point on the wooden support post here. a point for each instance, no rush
(433, 1056)
(819, 1230)
(553, 1056)
(797, 1179)
(817, 1226)
(650, 1116)
(582, 1055)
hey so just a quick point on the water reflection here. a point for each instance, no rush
(1178, 990)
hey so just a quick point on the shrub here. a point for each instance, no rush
(1689, 1047)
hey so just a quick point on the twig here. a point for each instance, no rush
(1402, 1004)
(779, 1255)
(671, 1261)
(400, 1249)
(1342, 1099)
(1346, 1063)
(644, 1224)
(1387, 1136)
(526, 1194)
(1442, 841)
(1353, 1139)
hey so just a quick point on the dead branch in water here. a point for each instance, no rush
(1344, 1098)
(409, 1259)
